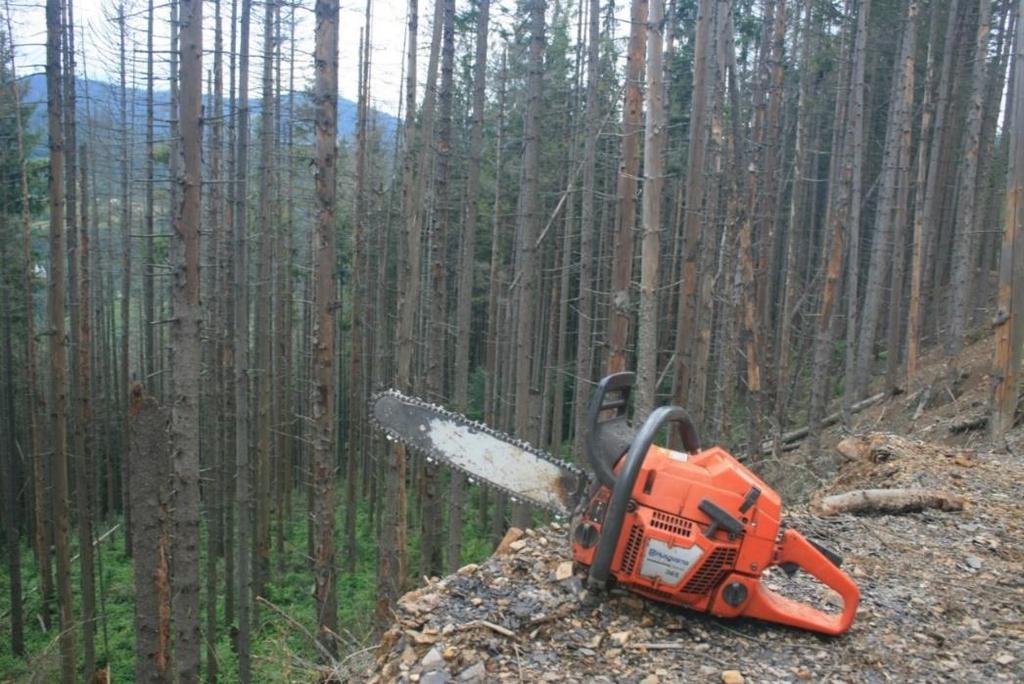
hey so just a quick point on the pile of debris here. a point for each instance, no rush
(942, 598)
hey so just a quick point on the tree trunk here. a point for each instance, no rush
(148, 454)
(625, 223)
(467, 268)
(654, 147)
(325, 128)
(241, 351)
(687, 316)
(58, 341)
(391, 555)
(967, 192)
(887, 231)
(1009, 321)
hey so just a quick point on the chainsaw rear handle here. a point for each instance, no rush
(622, 485)
(767, 605)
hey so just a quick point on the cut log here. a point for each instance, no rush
(889, 501)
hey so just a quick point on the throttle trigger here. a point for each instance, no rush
(720, 518)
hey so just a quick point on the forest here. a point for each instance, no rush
(770, 210)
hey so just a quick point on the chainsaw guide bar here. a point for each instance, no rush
(483, 454)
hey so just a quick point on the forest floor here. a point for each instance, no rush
(942, 593)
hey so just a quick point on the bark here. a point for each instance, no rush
(58, 341)
(585, 305)
(1009, 319)
(185, 351)
(928, 203)
(467, 269)
(654, 146)
(219, 302)
(887, 231)
(148, 454)
(391, 556)
(687, 317)
(493, 276)
(325, 129)
(149, 251)
(11, 512)
(126, 269)
(964, 248)
(625, 220)
(36, 401)
(527, 274)
(264, 309)
(431, 560)
(921, 230)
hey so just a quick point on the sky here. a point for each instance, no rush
(101, 42)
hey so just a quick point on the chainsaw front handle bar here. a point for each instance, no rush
(615, 410)
(765, 604)
(622, 485)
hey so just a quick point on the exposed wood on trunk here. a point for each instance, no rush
(1009, 320)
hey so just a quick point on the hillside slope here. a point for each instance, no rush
(942, 592)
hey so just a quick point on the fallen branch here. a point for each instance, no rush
(98, 540)
(889, 501)
(829, 420)
(969, 425)
(504, 631)
(299, 626)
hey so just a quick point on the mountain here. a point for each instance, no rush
(103, 101)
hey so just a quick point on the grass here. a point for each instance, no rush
(280, 652)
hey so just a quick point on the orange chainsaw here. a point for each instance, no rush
(693, 528)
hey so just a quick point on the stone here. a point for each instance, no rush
(650, 679)
(973, 562)
(563, 571)
(436, 677)
(433, 659)
(1005, 659)
(621, 637)
(474, 673)
(513, 535)
(517, 546)
(732, 677)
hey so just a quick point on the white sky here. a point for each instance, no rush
(100, 36)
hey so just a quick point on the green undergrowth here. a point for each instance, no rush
(280, 651)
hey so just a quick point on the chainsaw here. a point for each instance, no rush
(692, 528)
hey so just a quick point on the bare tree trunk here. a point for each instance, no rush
(241, 351)
(584, 305)
(219, 303)
(964, 249)
(148, 497)
(37, 403)
(625, 223)
(8, 462)
(654, 147)
(526, 263)
(906, 113)
(467, 267)
(391, 555)
(325, 127)
(687, 316)
(185, 351)
(1009, 321)
(58, 341)
(887, 231)
(231, 241)
(264, 309)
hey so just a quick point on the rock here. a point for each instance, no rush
(1005, 659)
(973, 562)
(433, 659)
(436, 677)
(650, 679)
(621, 637)
(474, 673)
(563, 571)
(450, 653)
(517, 546)
(468, 569)
(732, 677)
(513, 534)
